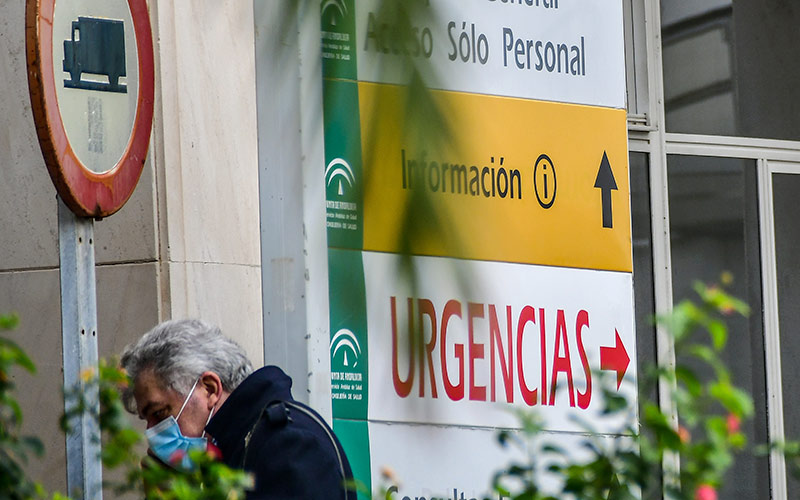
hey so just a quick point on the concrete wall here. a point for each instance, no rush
(294, 248)
(187, 242)
(207, 150)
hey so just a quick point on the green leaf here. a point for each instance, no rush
(9, 321)
(13, 354)
(33, 444)
(703, 352)
(719, 300)
(689, 379)
(719, 333)
(733, 399)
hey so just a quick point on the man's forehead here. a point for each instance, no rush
(148, 380)
(148, 388)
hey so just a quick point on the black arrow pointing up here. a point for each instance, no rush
(605, 181)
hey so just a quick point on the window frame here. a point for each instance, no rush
(646, 134)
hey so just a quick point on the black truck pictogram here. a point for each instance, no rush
(97, 47)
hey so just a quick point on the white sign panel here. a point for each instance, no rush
(567, 51)
(97, 91)
(517, 337)
(416, 458)
(456, 463)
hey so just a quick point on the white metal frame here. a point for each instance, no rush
(650, 137)
(772, 156)
(772, 339)
(733, 147)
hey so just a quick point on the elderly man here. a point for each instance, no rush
(192, 385)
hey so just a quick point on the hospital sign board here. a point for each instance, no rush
(521, 264)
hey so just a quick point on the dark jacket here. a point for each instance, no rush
(290, 450)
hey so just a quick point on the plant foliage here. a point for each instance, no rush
(710, 409)
(15, 448)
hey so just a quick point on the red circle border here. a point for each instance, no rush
(85, 192)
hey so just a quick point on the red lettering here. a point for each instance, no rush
(506, 367)
(426, 309)
(584, 398)
(527, 315)
(476, 351)
(561, 363)
(402, 387)
(543, 349)
(502, 353)
(454, 392)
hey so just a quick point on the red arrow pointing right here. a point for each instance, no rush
(615, 358)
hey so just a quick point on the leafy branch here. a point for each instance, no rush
(710, 407)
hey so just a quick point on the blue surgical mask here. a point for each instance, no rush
(165, 438)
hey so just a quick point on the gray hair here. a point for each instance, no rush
(179, 351)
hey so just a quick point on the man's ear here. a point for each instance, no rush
(211, 384)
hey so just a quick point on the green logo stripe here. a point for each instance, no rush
(349, 348)
(338, 38)
(344, 213)
(343, 170)
(354, 436)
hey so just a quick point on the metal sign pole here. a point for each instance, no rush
(114, 39)
(79, 340)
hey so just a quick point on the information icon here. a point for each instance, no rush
(544, 181)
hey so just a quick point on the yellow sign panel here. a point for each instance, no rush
(512, 180)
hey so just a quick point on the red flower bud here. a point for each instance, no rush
(705, 492)
(734, 423)
(176, 457)
(684, 435)
(213, 451)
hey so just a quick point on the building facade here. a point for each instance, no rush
(228, 219)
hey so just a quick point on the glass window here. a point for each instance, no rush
(635, 59)
(714, 228)
(787, 234)
(643, 264)
(730, 67)
(644, 301)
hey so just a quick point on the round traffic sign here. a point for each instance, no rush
(91, 80)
